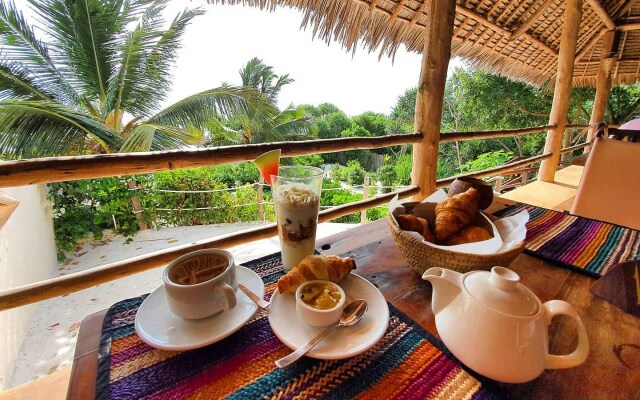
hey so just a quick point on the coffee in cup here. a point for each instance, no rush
(201, 284)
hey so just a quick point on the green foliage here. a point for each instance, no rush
(355, 173)
(312, 160)
(387, 177)
(88, 207)
(235, 174)
(486, 161)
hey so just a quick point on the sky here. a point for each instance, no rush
(218, 44)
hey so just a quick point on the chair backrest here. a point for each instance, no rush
(609, 188)
(625, 135)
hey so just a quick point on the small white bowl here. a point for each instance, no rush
(314, 316)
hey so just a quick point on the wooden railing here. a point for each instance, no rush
(47, 170)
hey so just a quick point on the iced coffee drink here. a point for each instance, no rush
(296, 196)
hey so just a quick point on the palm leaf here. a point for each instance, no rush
(84, 33)
(293, 124)
(143, 79)
(222, 102)
(28, 58)
(43, 128)
(155, 137)
(15, 82)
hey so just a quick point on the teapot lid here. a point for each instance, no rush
(502, 291)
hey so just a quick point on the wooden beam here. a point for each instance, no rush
(590, 44)
(602, 13)
(61, 169)
(628, 27)
(527, 23)
(603, 84)
(462, 136)
(493, 171)
(562, 91)
(429, 99)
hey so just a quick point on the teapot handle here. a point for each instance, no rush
(579, 355)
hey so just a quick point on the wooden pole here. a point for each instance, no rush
(433, 76)
(365, 195)
(137, 207)
(562, 92)
(603, 84)
(260, 202)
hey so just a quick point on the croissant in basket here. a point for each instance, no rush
(328, 268)
(455, 213)
(470, 234)
(408, 222)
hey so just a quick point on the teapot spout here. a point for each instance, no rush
(447, 285)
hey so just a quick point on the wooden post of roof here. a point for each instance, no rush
(562, 92)
(429, 99)
(603, 83)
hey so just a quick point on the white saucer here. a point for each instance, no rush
(158, 327)
(343, 342)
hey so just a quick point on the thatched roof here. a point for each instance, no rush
(516, 38)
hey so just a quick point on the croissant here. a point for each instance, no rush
(329, 268)
(455, 213)
(408, 222)
(470, 234)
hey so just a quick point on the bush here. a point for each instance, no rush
(355, 173)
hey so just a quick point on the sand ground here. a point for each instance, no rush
(50, 343)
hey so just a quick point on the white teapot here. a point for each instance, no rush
(496, 326)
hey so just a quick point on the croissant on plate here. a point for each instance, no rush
(455, 213)
(408, 222)
(470, 234)
(328, 268)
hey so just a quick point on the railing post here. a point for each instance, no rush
(433, 76)
(260, 202)
(365, 195)
(499, 184)
(562, 92)
(137, 207)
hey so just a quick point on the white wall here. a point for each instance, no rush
(27, 254)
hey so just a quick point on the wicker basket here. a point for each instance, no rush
(421, 257)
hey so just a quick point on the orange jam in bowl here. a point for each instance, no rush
(321, 295)
(320, 303)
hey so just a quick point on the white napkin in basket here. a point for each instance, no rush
(507, 232)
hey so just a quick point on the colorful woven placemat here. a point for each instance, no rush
(406, 363)
(585, 245)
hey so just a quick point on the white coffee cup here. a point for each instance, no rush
(201, 284)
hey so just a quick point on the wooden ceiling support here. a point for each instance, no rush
(430, 96)
(603, 82)
(562, 91)
(628, 27)
(527, 23)
(481, 19)
(602, 13)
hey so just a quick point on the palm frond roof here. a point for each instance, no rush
(515, 38)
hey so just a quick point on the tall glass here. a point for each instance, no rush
(296, 196)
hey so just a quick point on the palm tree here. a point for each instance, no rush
(97, 83)
(291, 123)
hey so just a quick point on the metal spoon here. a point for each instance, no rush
(262, 303)
(351, 314)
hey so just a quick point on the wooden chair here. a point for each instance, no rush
(609, 188)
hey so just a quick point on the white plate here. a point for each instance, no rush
(343, 342)
(158, 327)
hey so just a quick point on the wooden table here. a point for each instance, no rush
(602, 376)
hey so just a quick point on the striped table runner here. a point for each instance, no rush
(407, 363)
(582, 244)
